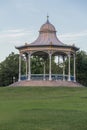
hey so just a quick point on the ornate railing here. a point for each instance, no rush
(46, 77)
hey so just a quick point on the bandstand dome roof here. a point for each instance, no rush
(47, 37)
(47, 27)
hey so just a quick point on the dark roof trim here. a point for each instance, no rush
(63, 46)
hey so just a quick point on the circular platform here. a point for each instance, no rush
(52, 83)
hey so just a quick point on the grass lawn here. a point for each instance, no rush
(43, 108)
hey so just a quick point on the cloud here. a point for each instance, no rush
(24, 33)
(74, 35)
(16, 37)
(77, 38)
(16, 33)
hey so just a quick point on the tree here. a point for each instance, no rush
(36, 65)
(81, 67)
(9, 69)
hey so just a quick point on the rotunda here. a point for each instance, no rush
(47, 45)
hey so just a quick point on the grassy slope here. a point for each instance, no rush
(36, 108)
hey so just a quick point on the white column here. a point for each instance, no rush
(19, 67)
(29, 66)
(69, 73)
(44, 71)
(63, 69)
(58, 60)
(50, 78)
(74, 68)
(26, 67)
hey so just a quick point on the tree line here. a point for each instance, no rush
(9, 67)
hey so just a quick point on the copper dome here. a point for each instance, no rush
(47, 27)
(47, 35)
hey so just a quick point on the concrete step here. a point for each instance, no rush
(46, 83)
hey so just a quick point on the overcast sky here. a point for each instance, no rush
(20, 21)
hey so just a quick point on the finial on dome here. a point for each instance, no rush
(47, 18)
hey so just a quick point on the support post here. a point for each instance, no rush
(19, 68)
(44, 71)
(63, 68)
(26, 66)
(58, 60)
(74, 68)
(29, 66)
(69, 73)
(50, 78)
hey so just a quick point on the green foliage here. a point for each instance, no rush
(9, 69)
(81, 67)
(36, 65)
(43, 108)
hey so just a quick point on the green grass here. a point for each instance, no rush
(43, 108)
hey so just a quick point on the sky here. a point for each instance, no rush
(20, 21)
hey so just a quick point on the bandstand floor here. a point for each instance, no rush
(53, 83)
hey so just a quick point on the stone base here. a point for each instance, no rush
(53, 83)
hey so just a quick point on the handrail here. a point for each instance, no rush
(41, 77)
